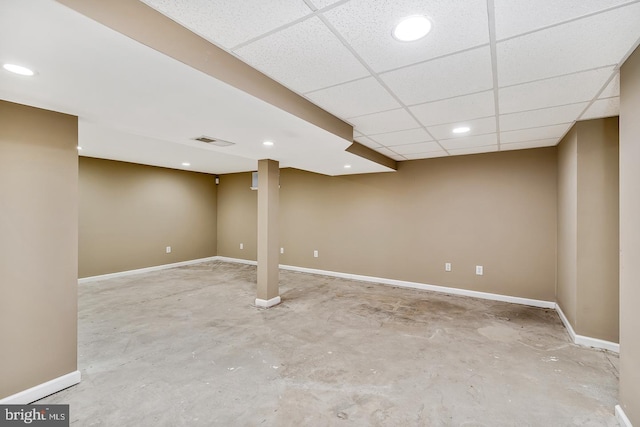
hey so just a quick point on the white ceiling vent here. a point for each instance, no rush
(214, 141)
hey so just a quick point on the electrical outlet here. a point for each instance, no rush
(241, 245)
(447, 266)
(168, 249)
(479, 270)
(315, 254)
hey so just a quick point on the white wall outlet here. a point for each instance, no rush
(168, 249)
(447, 266)
(281, 250)
(315, 254)
(241, 245)
(479, 270)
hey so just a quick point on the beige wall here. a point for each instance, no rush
(237, 217)
(598, 229)
(38, 246)
(497, 210)
(130, 213)
(566, 292)
(588, 231)
(630, 238)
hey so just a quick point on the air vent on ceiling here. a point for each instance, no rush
(214, 141)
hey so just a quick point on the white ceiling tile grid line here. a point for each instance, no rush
(374, 74)
(518, 61)
(553, 6)
(615, 74)
(494, 64)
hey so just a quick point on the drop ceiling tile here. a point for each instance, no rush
(612, 89)
(398, 158)
(304, 57)
(421, 147)
(579, 45)
(521, 16)
(429, 155)
(321, 4)
(563, 90)
(230, 23)
(546, 132)
(549, 142)
(478, 127)
(608, 107)
(367, 26)
(354, 99)
(542, 117)
(456, 109)
(470, 141)
(442, 78)
(388, 121)
(368, 142)
(402, 137)
(356, 133)
(473, 150)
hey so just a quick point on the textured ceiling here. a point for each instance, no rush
(519, 73)
(139, 105)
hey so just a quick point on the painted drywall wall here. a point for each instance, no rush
(130, 213)
(588, 228)
(567, 278)
(38, 246)
(598, 230)
(497, 210)
(630, 238)
(237, 217)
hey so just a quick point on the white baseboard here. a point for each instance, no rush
(566, 323)
(144, 270)
(236, 260)
(577, 339)
(425, 287)
(42, 390)
(267, 303)
(623, 420)
(405, 284)
(586, 341)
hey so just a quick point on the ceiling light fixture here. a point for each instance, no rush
(79, 148)
(186, 164)
(461, 129)
(268, 143)
(347, 166)
(412, 28)
(18, 69)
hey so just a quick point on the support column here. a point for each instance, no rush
(268, 246)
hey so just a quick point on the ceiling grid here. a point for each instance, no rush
(517, 73)
(513, 63)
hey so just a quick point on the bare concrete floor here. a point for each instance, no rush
(185, 347)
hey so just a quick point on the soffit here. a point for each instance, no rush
(531, 67)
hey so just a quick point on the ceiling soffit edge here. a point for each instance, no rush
(369, 154)
(146, 25)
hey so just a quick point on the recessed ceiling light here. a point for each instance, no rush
(79, 148)
(186, 164)
(18, 69)
(268, 143)
(461, 129)
(412, 28)
(347, 166)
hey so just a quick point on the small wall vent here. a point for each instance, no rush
(214, 141)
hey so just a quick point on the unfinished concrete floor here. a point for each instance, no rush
(186, 347)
